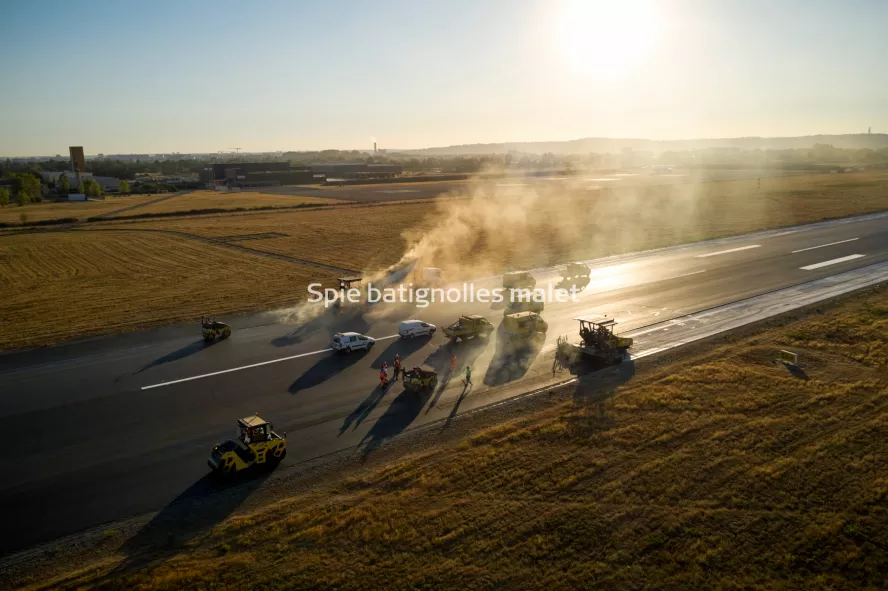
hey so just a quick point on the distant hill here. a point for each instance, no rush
(873, 141)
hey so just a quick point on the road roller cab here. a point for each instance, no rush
(256, 445)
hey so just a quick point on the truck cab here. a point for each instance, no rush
(520, 279)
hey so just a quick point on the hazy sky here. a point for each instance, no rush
(126, 76)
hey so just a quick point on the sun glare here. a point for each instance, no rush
(607, 36)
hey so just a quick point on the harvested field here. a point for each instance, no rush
(719, 471)
(514, 229)
(197, 200)
(374, 234)
(36, 212)
(60, 285)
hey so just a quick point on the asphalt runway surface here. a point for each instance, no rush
(432, 190)
(120, 426)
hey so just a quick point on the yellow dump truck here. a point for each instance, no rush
(574, 270)
(467, 327)
(519, 280)
(524, 326)
(257, 445)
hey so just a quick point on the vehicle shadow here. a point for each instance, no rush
(593, 398)
(203, 505)
(331, 320)
(398, 416)
(455, 410)
(327, 367)
(511, 360)
(466, 352)
(578, 284)
(402, 347)
(186, 351)
(363, 410)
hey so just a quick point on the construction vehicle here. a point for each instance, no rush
(524, 326)
(257, 445)
(213, 330)
(418, 379)
(573, 270)
(519, 280)
(598, 342)
(467, 327)
(524, 306)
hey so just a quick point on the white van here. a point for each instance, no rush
(416, 328)
(349, 341)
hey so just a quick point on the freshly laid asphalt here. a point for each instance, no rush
(115, 427)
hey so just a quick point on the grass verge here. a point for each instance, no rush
(56, 286)
(717, 469)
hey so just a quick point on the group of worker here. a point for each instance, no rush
(396, 366)
(383, 371)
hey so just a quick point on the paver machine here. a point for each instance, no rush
(598, 342)
(257, 445)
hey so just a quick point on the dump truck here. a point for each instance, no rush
(519, 280)
(213, 329)
(257, 445)
(573, 270)
(598, 342)
(524, 326)
(530, 306)
(467, 327)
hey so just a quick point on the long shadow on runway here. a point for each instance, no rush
(203, 505)
(363, 410)
(465, 352)
(330, 321)
(327, 367)
(402, 347)
(511, 360)
(186, 351)
(398, 416)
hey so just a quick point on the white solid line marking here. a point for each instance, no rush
(824, 245)
(216, 373)
(685, 275)
(832, 262)
(712, 254)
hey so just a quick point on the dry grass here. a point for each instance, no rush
(56, 286)
(80, 210)
(215, 200)
(723, 471)
(578, 224)
(350, 237)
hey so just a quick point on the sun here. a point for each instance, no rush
(607, 36)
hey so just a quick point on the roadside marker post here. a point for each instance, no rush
(788, 358)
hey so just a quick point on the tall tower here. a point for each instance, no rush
(374, 147)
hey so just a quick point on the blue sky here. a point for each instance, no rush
(187, 76)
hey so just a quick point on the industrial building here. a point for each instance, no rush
(357, 170)
(272, 174)
(256, 174)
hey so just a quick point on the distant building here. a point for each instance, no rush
(255, 174)
(108, 183)
(357, 170)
